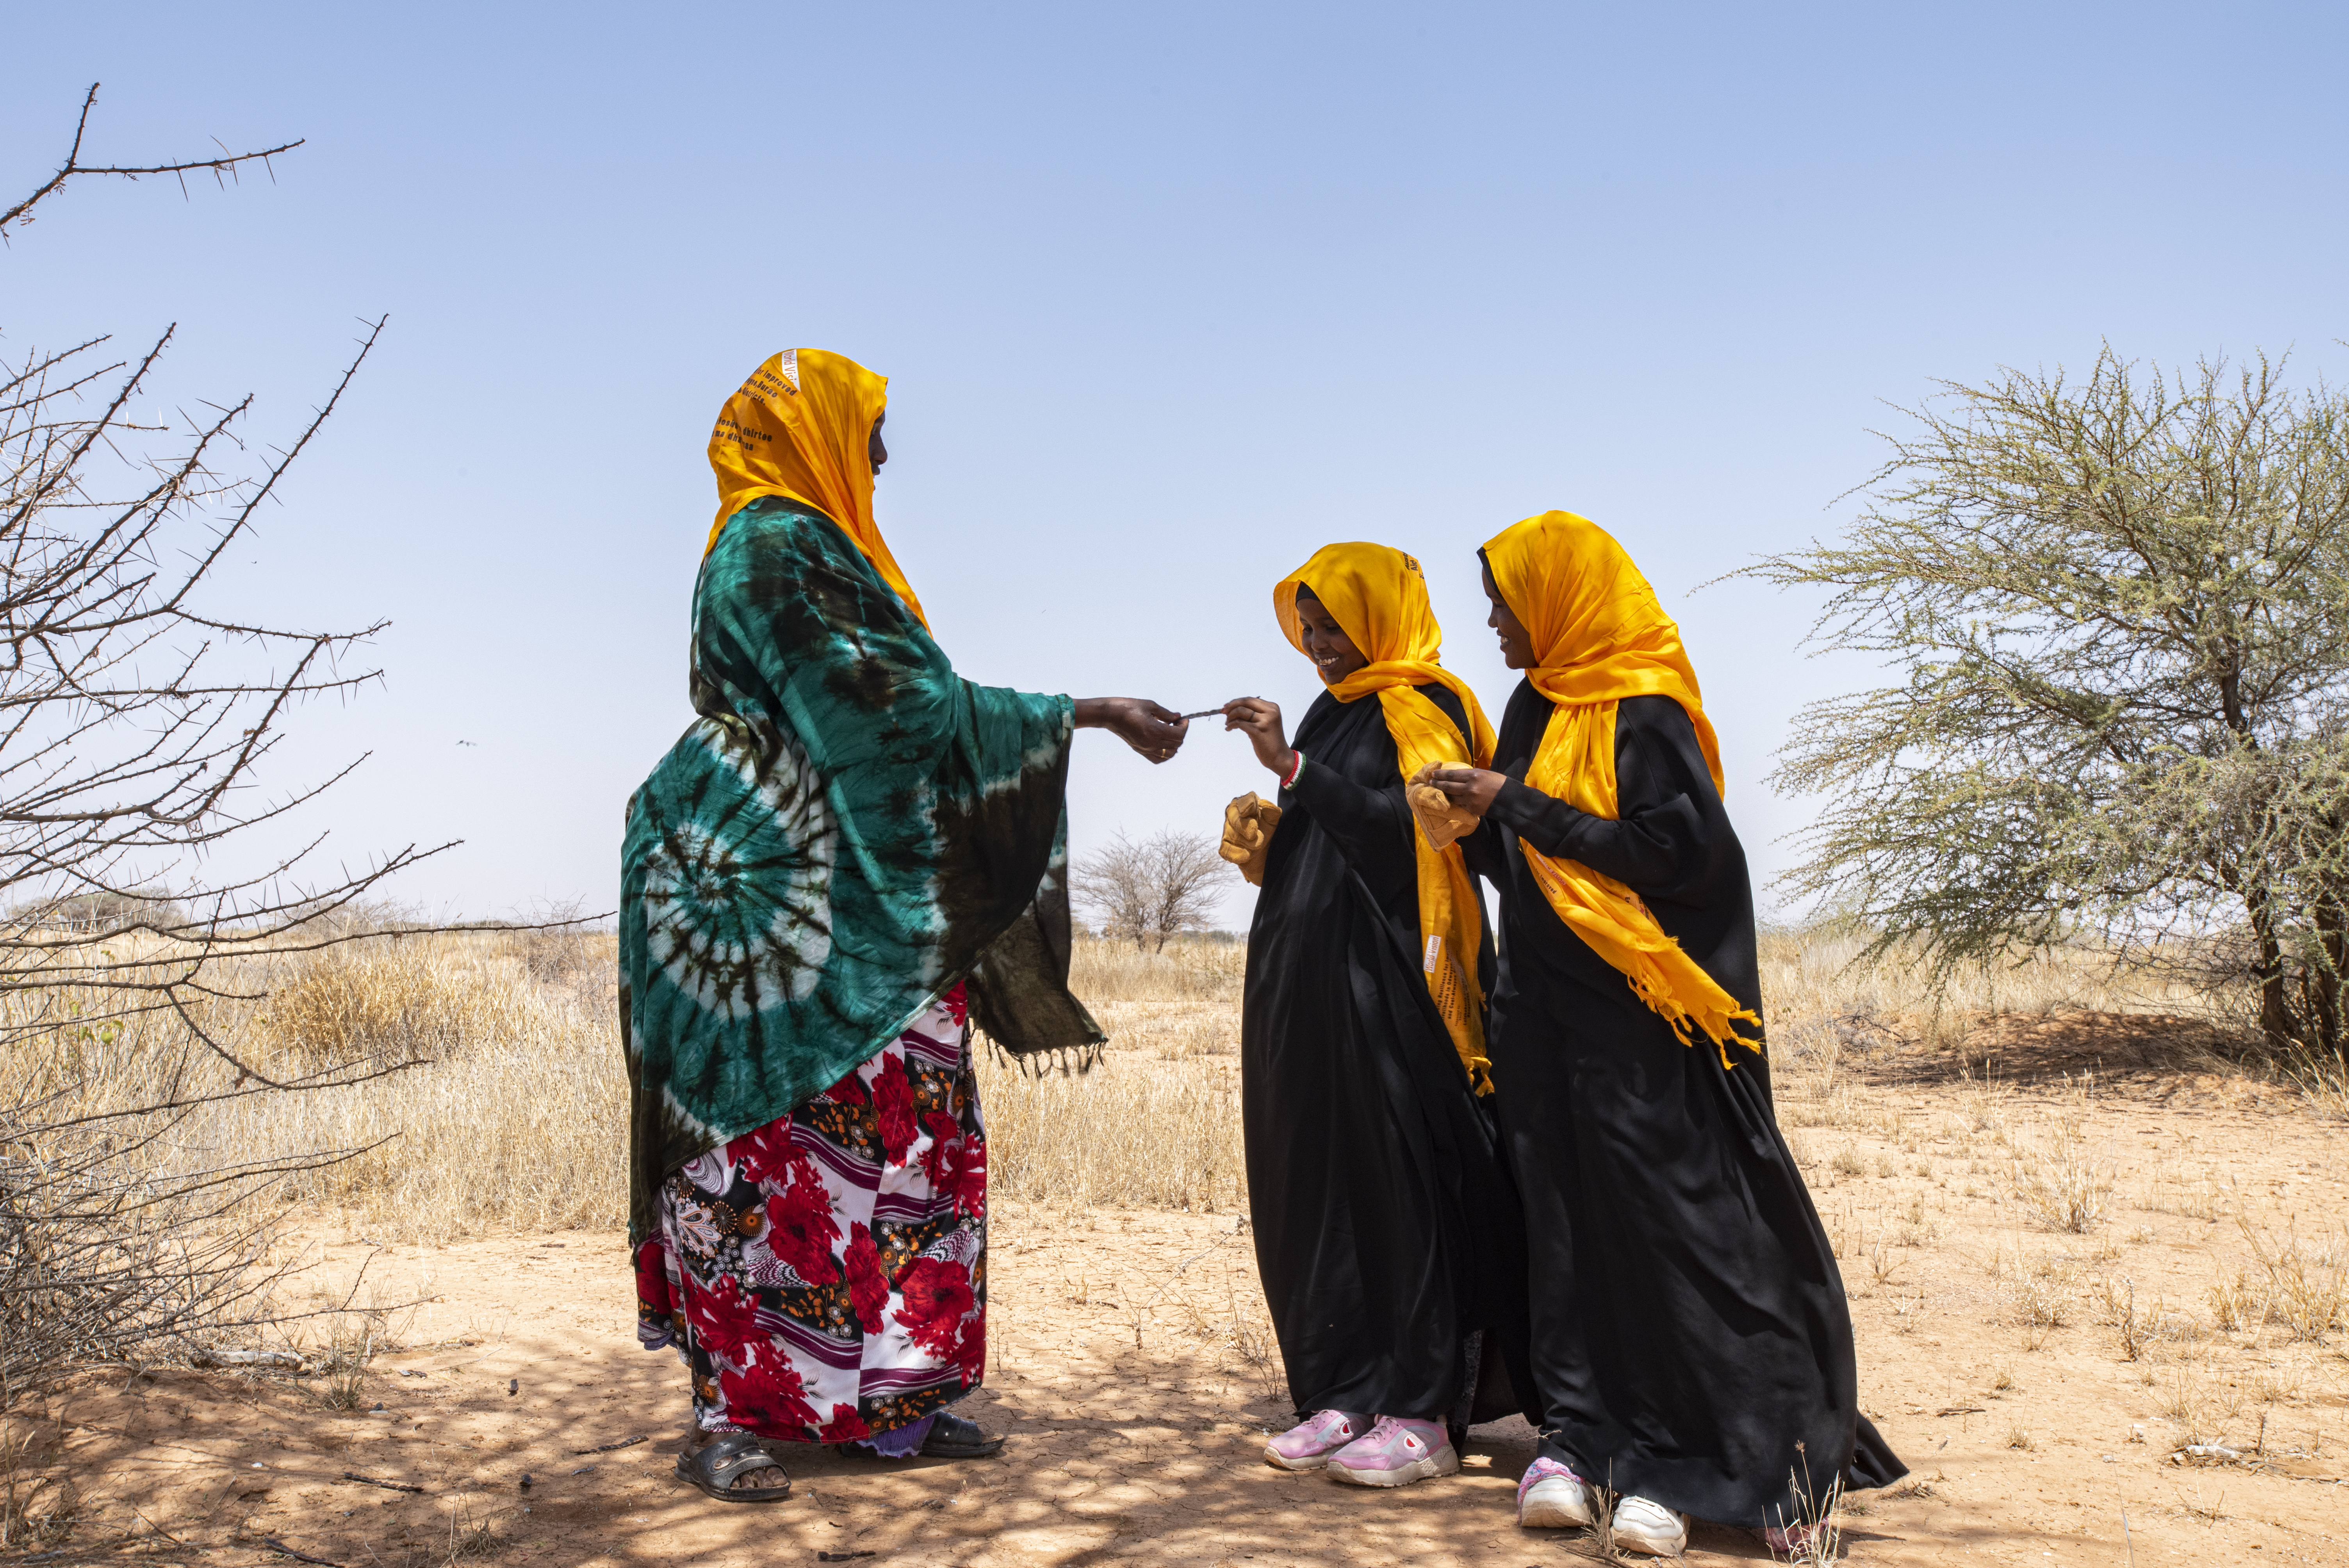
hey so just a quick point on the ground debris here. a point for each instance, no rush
(2206, 1454)
(287, 1359)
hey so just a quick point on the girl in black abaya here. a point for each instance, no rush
(1691, 1347)
(1381, 1220)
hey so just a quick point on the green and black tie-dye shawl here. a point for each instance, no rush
(849, 829)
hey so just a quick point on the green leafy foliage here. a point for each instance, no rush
(2119, 611)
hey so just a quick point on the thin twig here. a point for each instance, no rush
(73, 166)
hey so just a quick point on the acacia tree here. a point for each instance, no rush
(2120, 610)
(1147, 891)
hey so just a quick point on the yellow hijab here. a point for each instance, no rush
(1598, 637)
(802, 427)
(1378, 596)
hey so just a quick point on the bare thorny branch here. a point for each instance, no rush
(221, 169)
(135, 726)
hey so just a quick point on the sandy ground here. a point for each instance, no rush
(1129, 1371)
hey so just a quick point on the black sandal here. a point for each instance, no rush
(949, 1438)
(952, 1438)
(727, 1459)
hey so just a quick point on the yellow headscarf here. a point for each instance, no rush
(1598, 637)
(1378, 596)
(802, 427)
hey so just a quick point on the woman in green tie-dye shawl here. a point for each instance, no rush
(850, 851)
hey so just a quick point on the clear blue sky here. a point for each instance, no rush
(1167, 296)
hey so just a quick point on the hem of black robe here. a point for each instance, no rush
(1503, 1369)
(1369, 1388)
(1873, 1462)
(1696, 1487)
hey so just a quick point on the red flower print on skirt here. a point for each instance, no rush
(956, 1163)
(725, 1319)
(767, 1394)
(867, 1291)
(803, 1272)
(970, 1188)
(937, 1293)
(893, 1098)
(802, 1230)
(849, 1091)
(844, 1426)
(652, 1278)
(970, 1350)
(941, 1162)
(765, 1153)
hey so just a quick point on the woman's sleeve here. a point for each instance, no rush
(793, 626)
(1482, 851)
(1366, 822)
(948, 799)
(1660, 843)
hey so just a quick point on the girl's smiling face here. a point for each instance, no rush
(1517, 643)
(1332, 652)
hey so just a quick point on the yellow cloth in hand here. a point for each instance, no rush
(1248, 823)
(802, 427)
(1599, 635)
(1444, 823)
(1378, 598)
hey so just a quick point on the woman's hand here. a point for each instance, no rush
(1153, 731)
(1261, 722)
(1470, 789)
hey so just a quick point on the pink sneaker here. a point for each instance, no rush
(1395, 1453)
(1793, 1540)
(1552, 1497)
(1308, 1445)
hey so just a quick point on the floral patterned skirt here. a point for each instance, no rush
(824, 1276)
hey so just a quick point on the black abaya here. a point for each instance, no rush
(1385, 1232)
(1691, 1344)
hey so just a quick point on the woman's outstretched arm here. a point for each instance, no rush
(1152, 731)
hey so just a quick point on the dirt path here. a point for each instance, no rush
(1130, 1371)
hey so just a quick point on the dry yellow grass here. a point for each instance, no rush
(514, 1115)
(1156, 1124)
(510, 1117)
(1816, 979)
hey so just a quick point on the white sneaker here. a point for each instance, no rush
(1650, 1527)
(1552, 1497)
